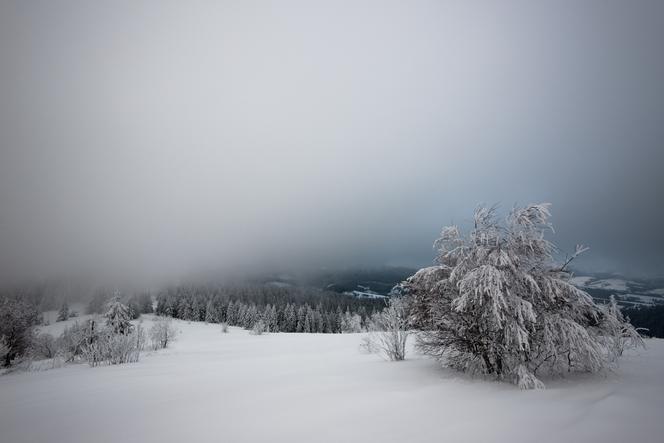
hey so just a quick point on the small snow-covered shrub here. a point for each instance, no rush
(43, 346)
(368, 344)
(620, 334)
(45, 364)
(162, 333)
(97, 344)
(123, 348)
(224, 327)
(259, 328)
(389, 331)
(71, 342)
(111, 348)
(499, 304)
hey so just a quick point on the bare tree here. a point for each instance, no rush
(44, 346)
(389, 331)
(162, 333)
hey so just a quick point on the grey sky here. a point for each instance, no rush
(150, 140)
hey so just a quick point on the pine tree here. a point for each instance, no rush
(270, 318)
(251, 316)
(290, 318)
(231, 317)
(210, 313)
(197, 312)
(118, 317)
(301, 317)
(63, 313)
(187, 310)
(498, 304)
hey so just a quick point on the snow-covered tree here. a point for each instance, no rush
(301, 318)
(43, 346)
(186, 310)
(118, 317)
(251, 316)
(63, 313)
(71, 341)
(231, 313)
(17, 318)
(210, 313)
(498, 304)
(122, 348)
(108, 345)
(290, 318)
(389, 331)
(162, 333)
(258, 328)
(351, 323)
(4, 349)
(621, 335)
(270, 318)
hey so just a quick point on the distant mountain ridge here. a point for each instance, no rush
(629, 292)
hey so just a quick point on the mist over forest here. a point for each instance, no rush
(146, 145)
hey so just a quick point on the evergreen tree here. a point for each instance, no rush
(231, 313)
(63, 313)
(186, 310)
(290, 318)
(118, 317)
(301, 316)
(270, 318)
(210, 313)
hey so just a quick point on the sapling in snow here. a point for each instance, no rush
(388, 331)
(162, 333)
(258, 328)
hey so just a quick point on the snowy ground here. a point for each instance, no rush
(238, 387)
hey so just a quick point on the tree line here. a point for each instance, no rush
(280, 309)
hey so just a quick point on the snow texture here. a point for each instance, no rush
(239, 387)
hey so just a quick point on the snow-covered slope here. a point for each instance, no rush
(609, 284)
(56, 328)
(50, 317)
(238, 387)
(627, 292)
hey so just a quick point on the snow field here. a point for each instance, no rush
(238, 387)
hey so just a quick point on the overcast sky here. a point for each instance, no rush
(151, 140)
